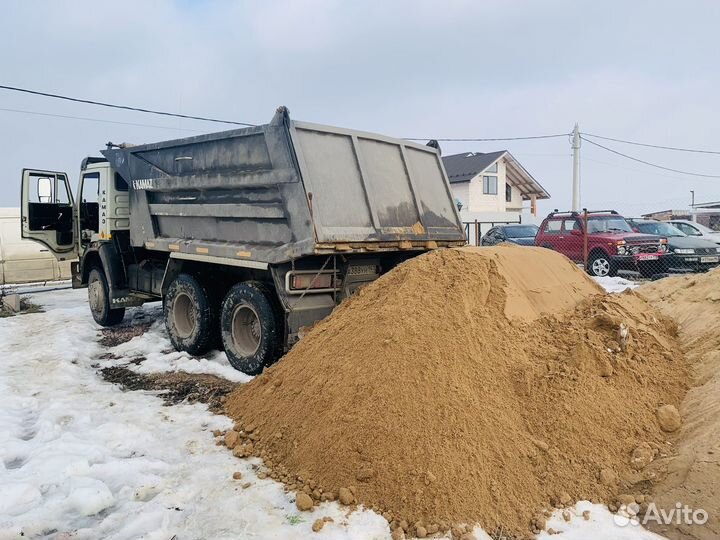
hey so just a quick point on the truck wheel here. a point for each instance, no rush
(600, 265)
(99, 300)
(251, 328)
(189, 316)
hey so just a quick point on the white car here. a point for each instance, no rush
(691, 228)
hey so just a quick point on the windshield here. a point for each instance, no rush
(703, 229)
(598, 224)
(660, 229)
(521, 231)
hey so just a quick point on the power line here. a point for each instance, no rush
(649, 163)
(37, 113)
(487, 139)
(124, 107)
(678, 149)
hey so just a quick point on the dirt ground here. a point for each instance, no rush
(112, 337)
(175, 387)
(693, 476)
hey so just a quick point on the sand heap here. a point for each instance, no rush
(468, 386)
(693, 476)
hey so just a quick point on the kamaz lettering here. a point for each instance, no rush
(143, 183)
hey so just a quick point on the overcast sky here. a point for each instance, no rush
(639, 70)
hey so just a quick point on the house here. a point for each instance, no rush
(491, 188)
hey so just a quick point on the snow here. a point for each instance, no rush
(81, 459)
(615, 284)
(602, 524)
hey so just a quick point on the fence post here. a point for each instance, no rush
(477, 233)
(585, 239)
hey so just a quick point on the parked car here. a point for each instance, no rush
(23, 261)
(692, 228)
(684, 252)
(612, 245)
(523, 235)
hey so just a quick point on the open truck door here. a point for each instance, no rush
(47, 212)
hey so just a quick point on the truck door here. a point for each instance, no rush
(47, 212)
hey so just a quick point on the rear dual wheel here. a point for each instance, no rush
(247, 322)
(190, 315)
(250, 327)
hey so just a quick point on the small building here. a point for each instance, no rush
(492, 188)
(707, 214)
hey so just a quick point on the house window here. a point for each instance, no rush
(490, 185)
(492, 168)
(508, 193)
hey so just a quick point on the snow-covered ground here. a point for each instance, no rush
(615, 284)
(79, 458)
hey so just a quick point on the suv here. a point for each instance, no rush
(611, 243)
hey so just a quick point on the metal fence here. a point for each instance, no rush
(606, 244)
(475, 230)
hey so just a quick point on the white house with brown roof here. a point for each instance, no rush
(492, 188)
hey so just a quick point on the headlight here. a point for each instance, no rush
(683, 251)
(621, 250)
(717, 250)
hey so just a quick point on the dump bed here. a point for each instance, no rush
(284, 190)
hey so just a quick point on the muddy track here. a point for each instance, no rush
(175, 387)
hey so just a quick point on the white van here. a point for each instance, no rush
(25, 261)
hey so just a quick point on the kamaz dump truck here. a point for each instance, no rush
(248, 236)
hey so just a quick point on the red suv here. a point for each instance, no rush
(611, 243)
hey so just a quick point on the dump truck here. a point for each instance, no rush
(248, 236)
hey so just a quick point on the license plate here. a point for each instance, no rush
(709, 259)
(647, 257)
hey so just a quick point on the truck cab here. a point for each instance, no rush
(81, 229)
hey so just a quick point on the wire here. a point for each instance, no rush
(487, 140)
(125, 107)
(96, 120)
(695, 150)
(648, 163)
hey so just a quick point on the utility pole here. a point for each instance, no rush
(576, 169)
(692, 205)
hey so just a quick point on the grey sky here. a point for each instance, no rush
(641, 70)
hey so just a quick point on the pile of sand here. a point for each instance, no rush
(468, 386)
(693, 476)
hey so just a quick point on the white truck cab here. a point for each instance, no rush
(51, 216)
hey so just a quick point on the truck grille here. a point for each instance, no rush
(644, 248)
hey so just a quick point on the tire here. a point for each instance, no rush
(190, 317)
(99, 300)
(600, 265)
(251, 327)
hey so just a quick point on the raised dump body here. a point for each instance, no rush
(285, 190)
(249, 237)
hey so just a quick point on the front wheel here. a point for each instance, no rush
(251, 328)
(99, 300)
(600, 265)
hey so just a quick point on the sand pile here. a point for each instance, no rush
(468, 386)
(693, 476)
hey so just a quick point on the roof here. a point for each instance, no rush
(466, 166)
(715, 204)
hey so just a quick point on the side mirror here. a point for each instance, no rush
(576, 232)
